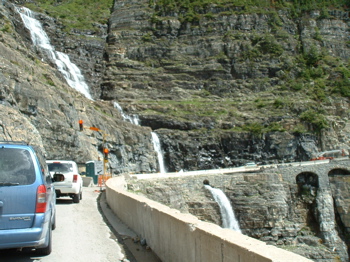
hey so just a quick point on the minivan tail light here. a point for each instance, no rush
(75, 178)
(41, 199)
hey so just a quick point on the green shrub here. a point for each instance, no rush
(317, 35)
(275, 20)
(270, 45)
(210, 16)
(341, 81)
(260, 103)
(255, 128)
(6, 28)
(275, 127)
(297, 85)
(48, 80)
(280, 102)
(299, 129)
(267, 44)
(251, 54)
(312, 56)
(147, 38)
(318, 120)
(342, 87)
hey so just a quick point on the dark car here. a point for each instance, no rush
(27, 199)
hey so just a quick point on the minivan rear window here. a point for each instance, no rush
(16, 167)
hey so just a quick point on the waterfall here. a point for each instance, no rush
(227, 215)
(156, 144)
(155, 139)
(40, 39)
(132, 119)
(71, 72)
(328, 227)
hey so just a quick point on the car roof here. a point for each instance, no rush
(20, 144)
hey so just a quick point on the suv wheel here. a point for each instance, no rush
(76, 198)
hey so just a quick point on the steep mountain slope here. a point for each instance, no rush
(39, 107)
(221, 84)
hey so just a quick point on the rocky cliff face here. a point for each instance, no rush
(230, 68)
(40, 108)
(217, 91)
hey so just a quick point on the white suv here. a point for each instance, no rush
(66, 178)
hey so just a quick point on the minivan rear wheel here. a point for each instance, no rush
(54, 221)
(46, 250)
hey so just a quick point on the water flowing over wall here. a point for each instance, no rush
(158, 149)
(132, 119)
(40, 39)
(228, 217)
(328, 226)
(290, 206)
(155, 139)
(177, 237)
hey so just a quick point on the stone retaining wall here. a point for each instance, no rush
(174, 236)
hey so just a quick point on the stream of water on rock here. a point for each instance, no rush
(158, 149)
(155, 139)
(227, 215)
(40, 39)
(132, 119)
(71, 72)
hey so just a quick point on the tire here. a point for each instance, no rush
(81, 195)
(54, 221)
(76, 198)
(45, 251)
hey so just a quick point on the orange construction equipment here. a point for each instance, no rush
(102, 179)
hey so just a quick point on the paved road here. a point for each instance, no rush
(230, 169)
(81, 235)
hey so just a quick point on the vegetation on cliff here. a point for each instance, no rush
(309, 80)
(77, 14)
(82, 14)
(194, 10)
(302, 83)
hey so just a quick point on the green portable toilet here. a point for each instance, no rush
(94, 168)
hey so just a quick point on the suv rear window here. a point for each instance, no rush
(16, 167)
(60, 167)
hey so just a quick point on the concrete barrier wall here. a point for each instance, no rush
(177, 237)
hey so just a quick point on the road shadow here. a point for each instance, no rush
(13, 255)
(64, 201)
(133, 249)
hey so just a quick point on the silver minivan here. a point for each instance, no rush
(27, 199)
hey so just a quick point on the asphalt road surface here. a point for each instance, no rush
(81, 235)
